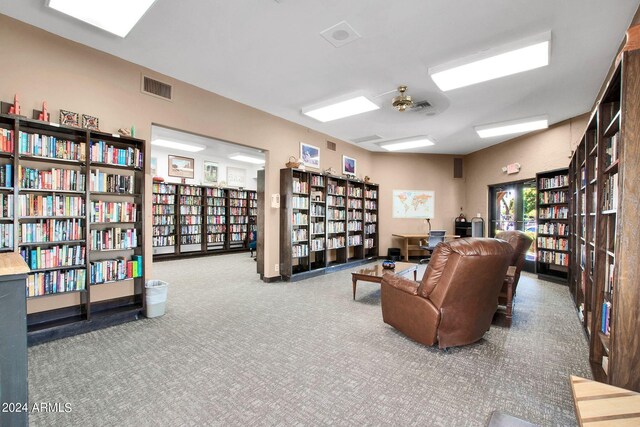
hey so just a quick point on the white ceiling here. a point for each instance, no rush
(269, 54)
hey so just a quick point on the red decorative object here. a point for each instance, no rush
(44, 115)
(158, 179)
(15, 108)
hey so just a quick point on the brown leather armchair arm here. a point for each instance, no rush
(401, 283)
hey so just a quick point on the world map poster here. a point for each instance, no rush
(413, 204)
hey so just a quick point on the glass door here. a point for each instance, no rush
(513, 207)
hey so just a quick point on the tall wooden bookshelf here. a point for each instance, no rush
(326, 223)
(192, 220)
(552, 242)
(605, 277)
(72, 203)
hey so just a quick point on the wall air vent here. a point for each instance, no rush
(331, 146)
(156, 88)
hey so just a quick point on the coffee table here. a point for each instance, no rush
(374, 273)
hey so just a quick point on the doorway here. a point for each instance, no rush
(513, 207)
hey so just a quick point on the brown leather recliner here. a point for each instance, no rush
(457, 297)
(520, 242)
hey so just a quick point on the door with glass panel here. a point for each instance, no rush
(513, 207)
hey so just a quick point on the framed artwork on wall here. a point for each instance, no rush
(90, 122)
(181, 167)
(210, 172)
(236, 177)
(154, 166)
(348, 165)
(310, 155)
(69, 118)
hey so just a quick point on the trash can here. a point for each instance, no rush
(156, 298)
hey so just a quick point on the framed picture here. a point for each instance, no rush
(90, 122)
(210, 172)
(310, 155)
(69, 118)
(348, 165)
(181, 167)
(236, 177)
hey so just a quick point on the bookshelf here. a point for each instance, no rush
(552, 241)
(326, 223)
(164, 218)
(71, 203)
(605, 272)
(192, 220)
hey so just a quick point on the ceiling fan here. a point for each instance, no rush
(404, 102)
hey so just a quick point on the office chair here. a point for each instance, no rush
(435, 237)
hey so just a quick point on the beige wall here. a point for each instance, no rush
(40, 66)
(416, 172)
(542, 151)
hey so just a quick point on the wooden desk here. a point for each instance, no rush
(599, 404)
(406, 246)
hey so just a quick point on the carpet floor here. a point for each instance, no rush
(232, 350)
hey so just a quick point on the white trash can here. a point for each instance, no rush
(156, 299)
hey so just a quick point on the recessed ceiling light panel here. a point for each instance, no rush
(192, 148)
(247, 159)
(407, 143)
(338, 109)
(512, 127)
(513, 58)
(115, 16)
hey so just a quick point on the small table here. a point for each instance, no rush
(374, 273)
(406, 238)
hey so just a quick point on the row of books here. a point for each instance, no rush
(354, 216)
(369, 243)
(335, 227)
(163, 210)
(190, 229)
(370, 205)
(6, 236)
(163, 220)
(190, 191)
(219, 210)
(217, 192)
(355, 204)
(35, 144)
(216, 229)
(216, 238)
(6, 205)
(163, 199)
(114, 238)
(159, 241)
(610, 193)
(317, 228)
(164, 230)
(317, 244)
(370, 217)
(354, 240)
(243, 203)
(6, 175)
(611, 150)
(553, 197)
(605, 325)
(111, 183)
(237, 194)
(336, 242)
(239, 219)
(53, 257)
(190, 210)
(50, 205)
(217, 219)
(51, 230)
(214, 201)
(555, 228)
(6, 140)
(370, 229)
(54, 179)
(317, 181)
(237, 228)
(336, 190)
(299, 251)
(557, 258)
(163, 188)
(237, 237)
(113, 270)
(554, 212)
(354, 226)
(554, 182)
(355, 192)
(190, 219)
(553, 243)
(336, 215)
(317, 210)
(337, 201)
(299, 202)
(370, 194)
(299, 234)
(102, 211)
(192, 239)
(53, 282)
(190, 200)
(102, 152)
(299, 186)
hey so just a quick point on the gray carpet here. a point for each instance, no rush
(232, 350)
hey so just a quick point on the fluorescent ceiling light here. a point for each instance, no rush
(339, 109)
(246, 159)
(407, 144)
(192, 148)
(513, 126)
(498, 62)
(115, 16)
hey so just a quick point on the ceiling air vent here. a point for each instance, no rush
(331, 146)
(157, 88)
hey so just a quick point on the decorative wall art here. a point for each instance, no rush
(310, 155)
(69, 118)
(181, 167)
(90, 122)
(348, 165)
(236, 177)
(210, 172)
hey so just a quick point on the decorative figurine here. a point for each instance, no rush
(15, 108)
(44, 114)
(124, 132)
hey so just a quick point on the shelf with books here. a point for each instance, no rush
(611, 275)
(216, 224)
(338, 217)
(238, 230)
(190, 212)
(52, 214)
(163, 201)
(553, 203)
